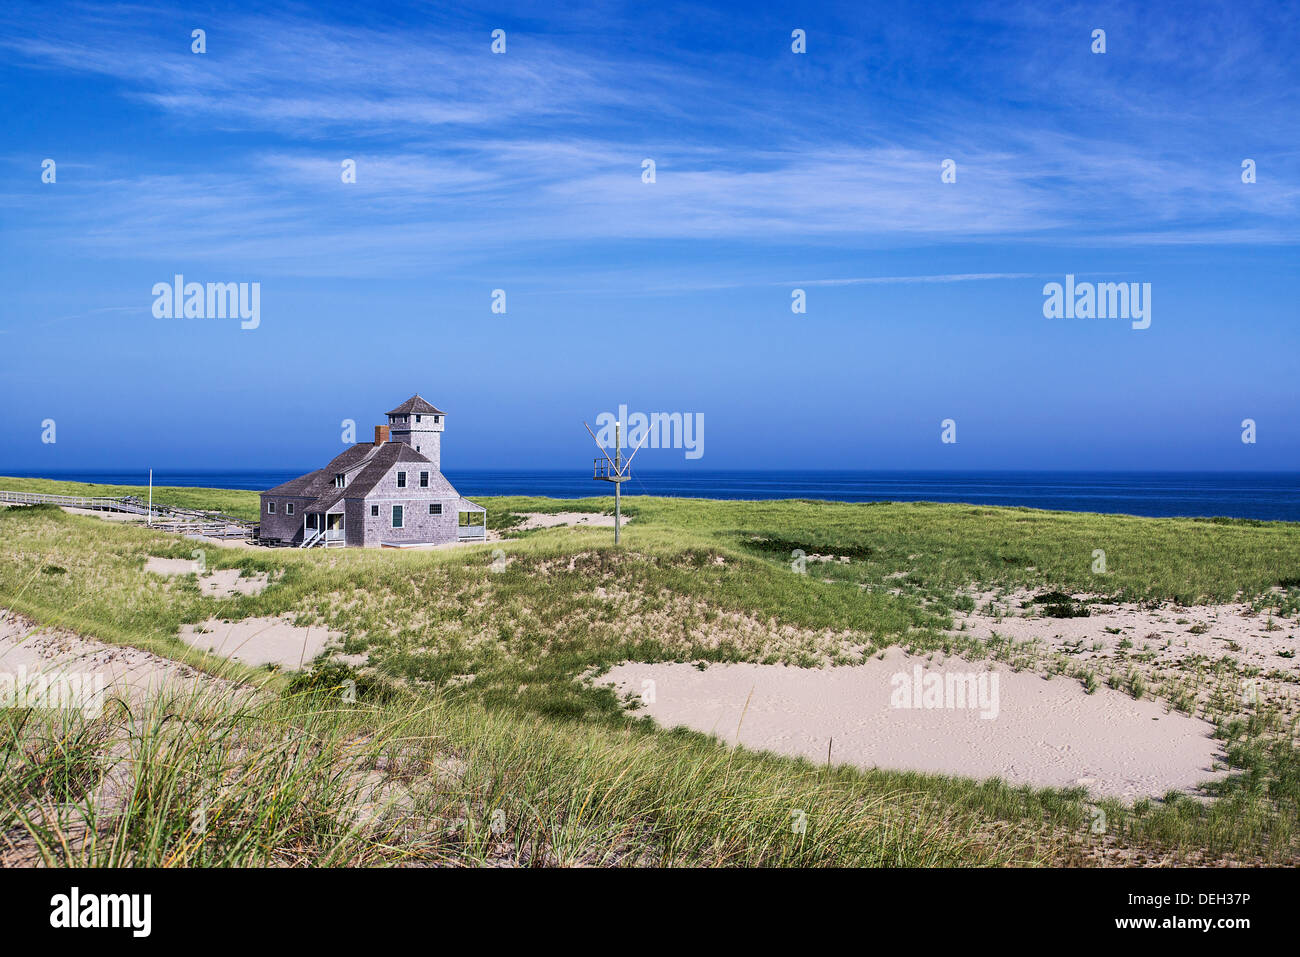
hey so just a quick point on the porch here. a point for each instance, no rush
(471, 521)
(328, 529)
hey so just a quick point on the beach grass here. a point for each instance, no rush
(492, 644)
(209, 779)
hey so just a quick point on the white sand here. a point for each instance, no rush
(27, 650)
(556, 519)
(104, 514)
(260, 641)
(1046, 733)
(1172, 632)
(1156, 642)
(219, 583)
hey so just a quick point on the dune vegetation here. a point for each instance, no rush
(477, 736)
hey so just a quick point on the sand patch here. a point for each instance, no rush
(217, 583)
(224, 542)
(260, 641)
(27, 649)
(1045, 733)
(1163, 644)
(104, 514)
(555, 519)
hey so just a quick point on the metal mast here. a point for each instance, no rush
(615, 470)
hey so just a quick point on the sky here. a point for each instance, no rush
(523, 171)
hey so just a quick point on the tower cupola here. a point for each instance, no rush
(419, 425)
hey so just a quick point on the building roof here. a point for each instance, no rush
(315, 483)
(373, 462)
(415, 404)
(389, 455)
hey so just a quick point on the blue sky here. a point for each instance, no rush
(774, 171)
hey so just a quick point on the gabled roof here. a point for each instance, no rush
(389, 455)
(315, 483)
(374, 462)
(415, 404)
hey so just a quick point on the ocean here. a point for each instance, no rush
(1257, 495)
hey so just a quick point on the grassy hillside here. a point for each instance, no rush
(498, 638)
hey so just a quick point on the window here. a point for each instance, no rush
(270, 508)
(437, 419)
(288, 509)
(340, 480)
(397, 516)
(471, 519)
(401, 480)
(435, 508)
(417, 418)
(424, 476)
(374, 511)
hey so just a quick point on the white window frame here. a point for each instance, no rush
(270, 508)
(397, 512)
(401, 480)
(435, 508)
(288, 508)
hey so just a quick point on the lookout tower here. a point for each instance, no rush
(419, 425)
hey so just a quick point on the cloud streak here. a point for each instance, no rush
(463, 155)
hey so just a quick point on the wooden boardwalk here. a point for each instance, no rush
(165, 518)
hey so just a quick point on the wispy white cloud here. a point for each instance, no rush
(462, 154)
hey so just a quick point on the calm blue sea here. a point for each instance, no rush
(1260, 495)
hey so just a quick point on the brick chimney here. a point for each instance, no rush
(381, 434)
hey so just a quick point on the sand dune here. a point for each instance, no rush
(1047, 733)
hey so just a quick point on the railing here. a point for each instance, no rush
(166, 518)
(471, 531)
(71, 501)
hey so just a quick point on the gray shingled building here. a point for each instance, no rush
(388, 492)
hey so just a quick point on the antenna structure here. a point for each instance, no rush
(615, 470)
